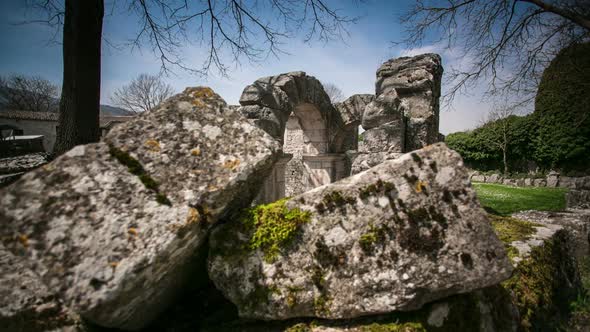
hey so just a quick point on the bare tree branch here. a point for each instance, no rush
(29, 93)
(334, 92)
(144, 93)
(231, 30)
(506, 43)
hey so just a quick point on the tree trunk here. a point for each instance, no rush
(80, 98)
(505, 162)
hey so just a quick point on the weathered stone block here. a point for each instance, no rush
(578, 199)
(112, 227)
(416, 81)
(388, 138)
(384, 109)
(478, 178)
(404, 233)
(409, 74)
(546, 278)
(553, 179)
(352, 109)
(364, 161)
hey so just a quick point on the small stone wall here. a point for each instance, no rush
(553, 179)
(578, 196)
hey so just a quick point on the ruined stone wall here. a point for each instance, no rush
(402, 116)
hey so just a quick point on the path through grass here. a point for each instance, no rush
(504, 200)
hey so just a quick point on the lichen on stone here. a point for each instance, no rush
(379, 187)
(273, 226)
(135, 168)
(334, 200)
(368, 240)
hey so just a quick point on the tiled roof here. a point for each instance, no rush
(105, 121)
(27, 115)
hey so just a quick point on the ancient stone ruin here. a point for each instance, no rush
(166, 207)
(320, 140)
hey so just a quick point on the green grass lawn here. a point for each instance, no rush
(504, 200)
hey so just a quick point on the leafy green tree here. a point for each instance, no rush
(562, 111)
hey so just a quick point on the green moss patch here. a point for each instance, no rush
(511, 229)
(135, 168)
(274, 226)
(394, 327)
(368, 240)
(538, 289)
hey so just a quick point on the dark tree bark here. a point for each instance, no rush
(80, 98)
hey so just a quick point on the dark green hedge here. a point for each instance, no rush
(555, 136)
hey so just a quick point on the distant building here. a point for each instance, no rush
(24, 123)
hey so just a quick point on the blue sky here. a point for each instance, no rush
(351, 65)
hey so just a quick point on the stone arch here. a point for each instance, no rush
(351, 111)
(294, 109)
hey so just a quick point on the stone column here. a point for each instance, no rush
(417, 82)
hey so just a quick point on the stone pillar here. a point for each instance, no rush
(417, 82)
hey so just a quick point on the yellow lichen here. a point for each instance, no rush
(420, 185)
(199, 92)
(24, 240)
(231, 164)
(193, 216)
(198, 102)
(152, 145)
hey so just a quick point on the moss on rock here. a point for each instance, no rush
(394, 327)
(511, 229)
(273, 226)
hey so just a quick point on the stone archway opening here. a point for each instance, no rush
(306, 138)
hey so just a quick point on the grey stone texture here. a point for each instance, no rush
(363, 161)
(26, 304)
(578, 199)
(388, 138)
(22, 163)
(404, 233)
(417, 82)
(351, 110)
(113, 227)
(576, 222)
(382, 110)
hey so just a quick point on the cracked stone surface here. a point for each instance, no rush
(401, 234)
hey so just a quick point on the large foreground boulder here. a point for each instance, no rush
(113, 227)
(404, 233)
